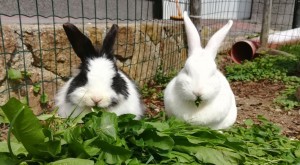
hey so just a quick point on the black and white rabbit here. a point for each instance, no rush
(200, 93)
(98, 82)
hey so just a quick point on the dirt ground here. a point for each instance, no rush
(256, 98)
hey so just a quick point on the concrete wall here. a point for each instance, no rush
(112, 9)
(282, 11)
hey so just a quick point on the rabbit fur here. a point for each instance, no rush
(98, 81)
(200, 79)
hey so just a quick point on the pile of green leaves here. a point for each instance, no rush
(281, 68)
(104, 138)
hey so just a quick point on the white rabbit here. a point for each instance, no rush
(99, 83)
(200, 93)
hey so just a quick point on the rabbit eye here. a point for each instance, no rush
(114, 101)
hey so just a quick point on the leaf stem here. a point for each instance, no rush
(9, 132)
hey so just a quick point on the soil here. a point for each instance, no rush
(256, 98)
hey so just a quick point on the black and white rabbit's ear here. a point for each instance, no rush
(81, 44)
(109, 41)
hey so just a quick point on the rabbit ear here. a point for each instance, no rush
(193, 37)
(109, 41)
(216, 40)
(81, 44)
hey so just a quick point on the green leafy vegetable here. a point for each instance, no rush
(27, 129)
(72, 161)
(104, 138)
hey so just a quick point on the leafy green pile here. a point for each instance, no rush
(265, 67)
(270, 67)
(104, 138)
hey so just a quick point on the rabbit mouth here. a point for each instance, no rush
(198, 101)
(113, 103)
(97, 109)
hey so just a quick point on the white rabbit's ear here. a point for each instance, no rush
(192, 34)
(216, 40)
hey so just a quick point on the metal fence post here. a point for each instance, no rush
(195, 10)
(266, 23)
(296, 19)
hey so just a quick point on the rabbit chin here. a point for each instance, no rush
(83, 101)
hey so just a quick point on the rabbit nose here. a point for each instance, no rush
(197, 94)
(96, 100)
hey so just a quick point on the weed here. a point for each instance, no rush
(161, 78)
(36, 88)
(14, 74)
(147, 91)
(44, 98)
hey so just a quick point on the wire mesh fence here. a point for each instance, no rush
(36, 57)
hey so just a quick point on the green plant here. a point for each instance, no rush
(146, 91)
(161, 78)
(14, 74)
(287, 97)
(17, 75)
(26, 74)
(292, 49)
(36, 88)
(274, 68)
(264, 67)
(153, 93)
(44, 98)
(103, 138)
(264, 143)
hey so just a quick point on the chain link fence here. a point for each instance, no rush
(36, 57)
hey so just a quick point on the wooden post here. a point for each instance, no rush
(266, 23)
(195, 10)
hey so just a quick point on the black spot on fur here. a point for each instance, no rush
(78, 81)
(119, 85)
